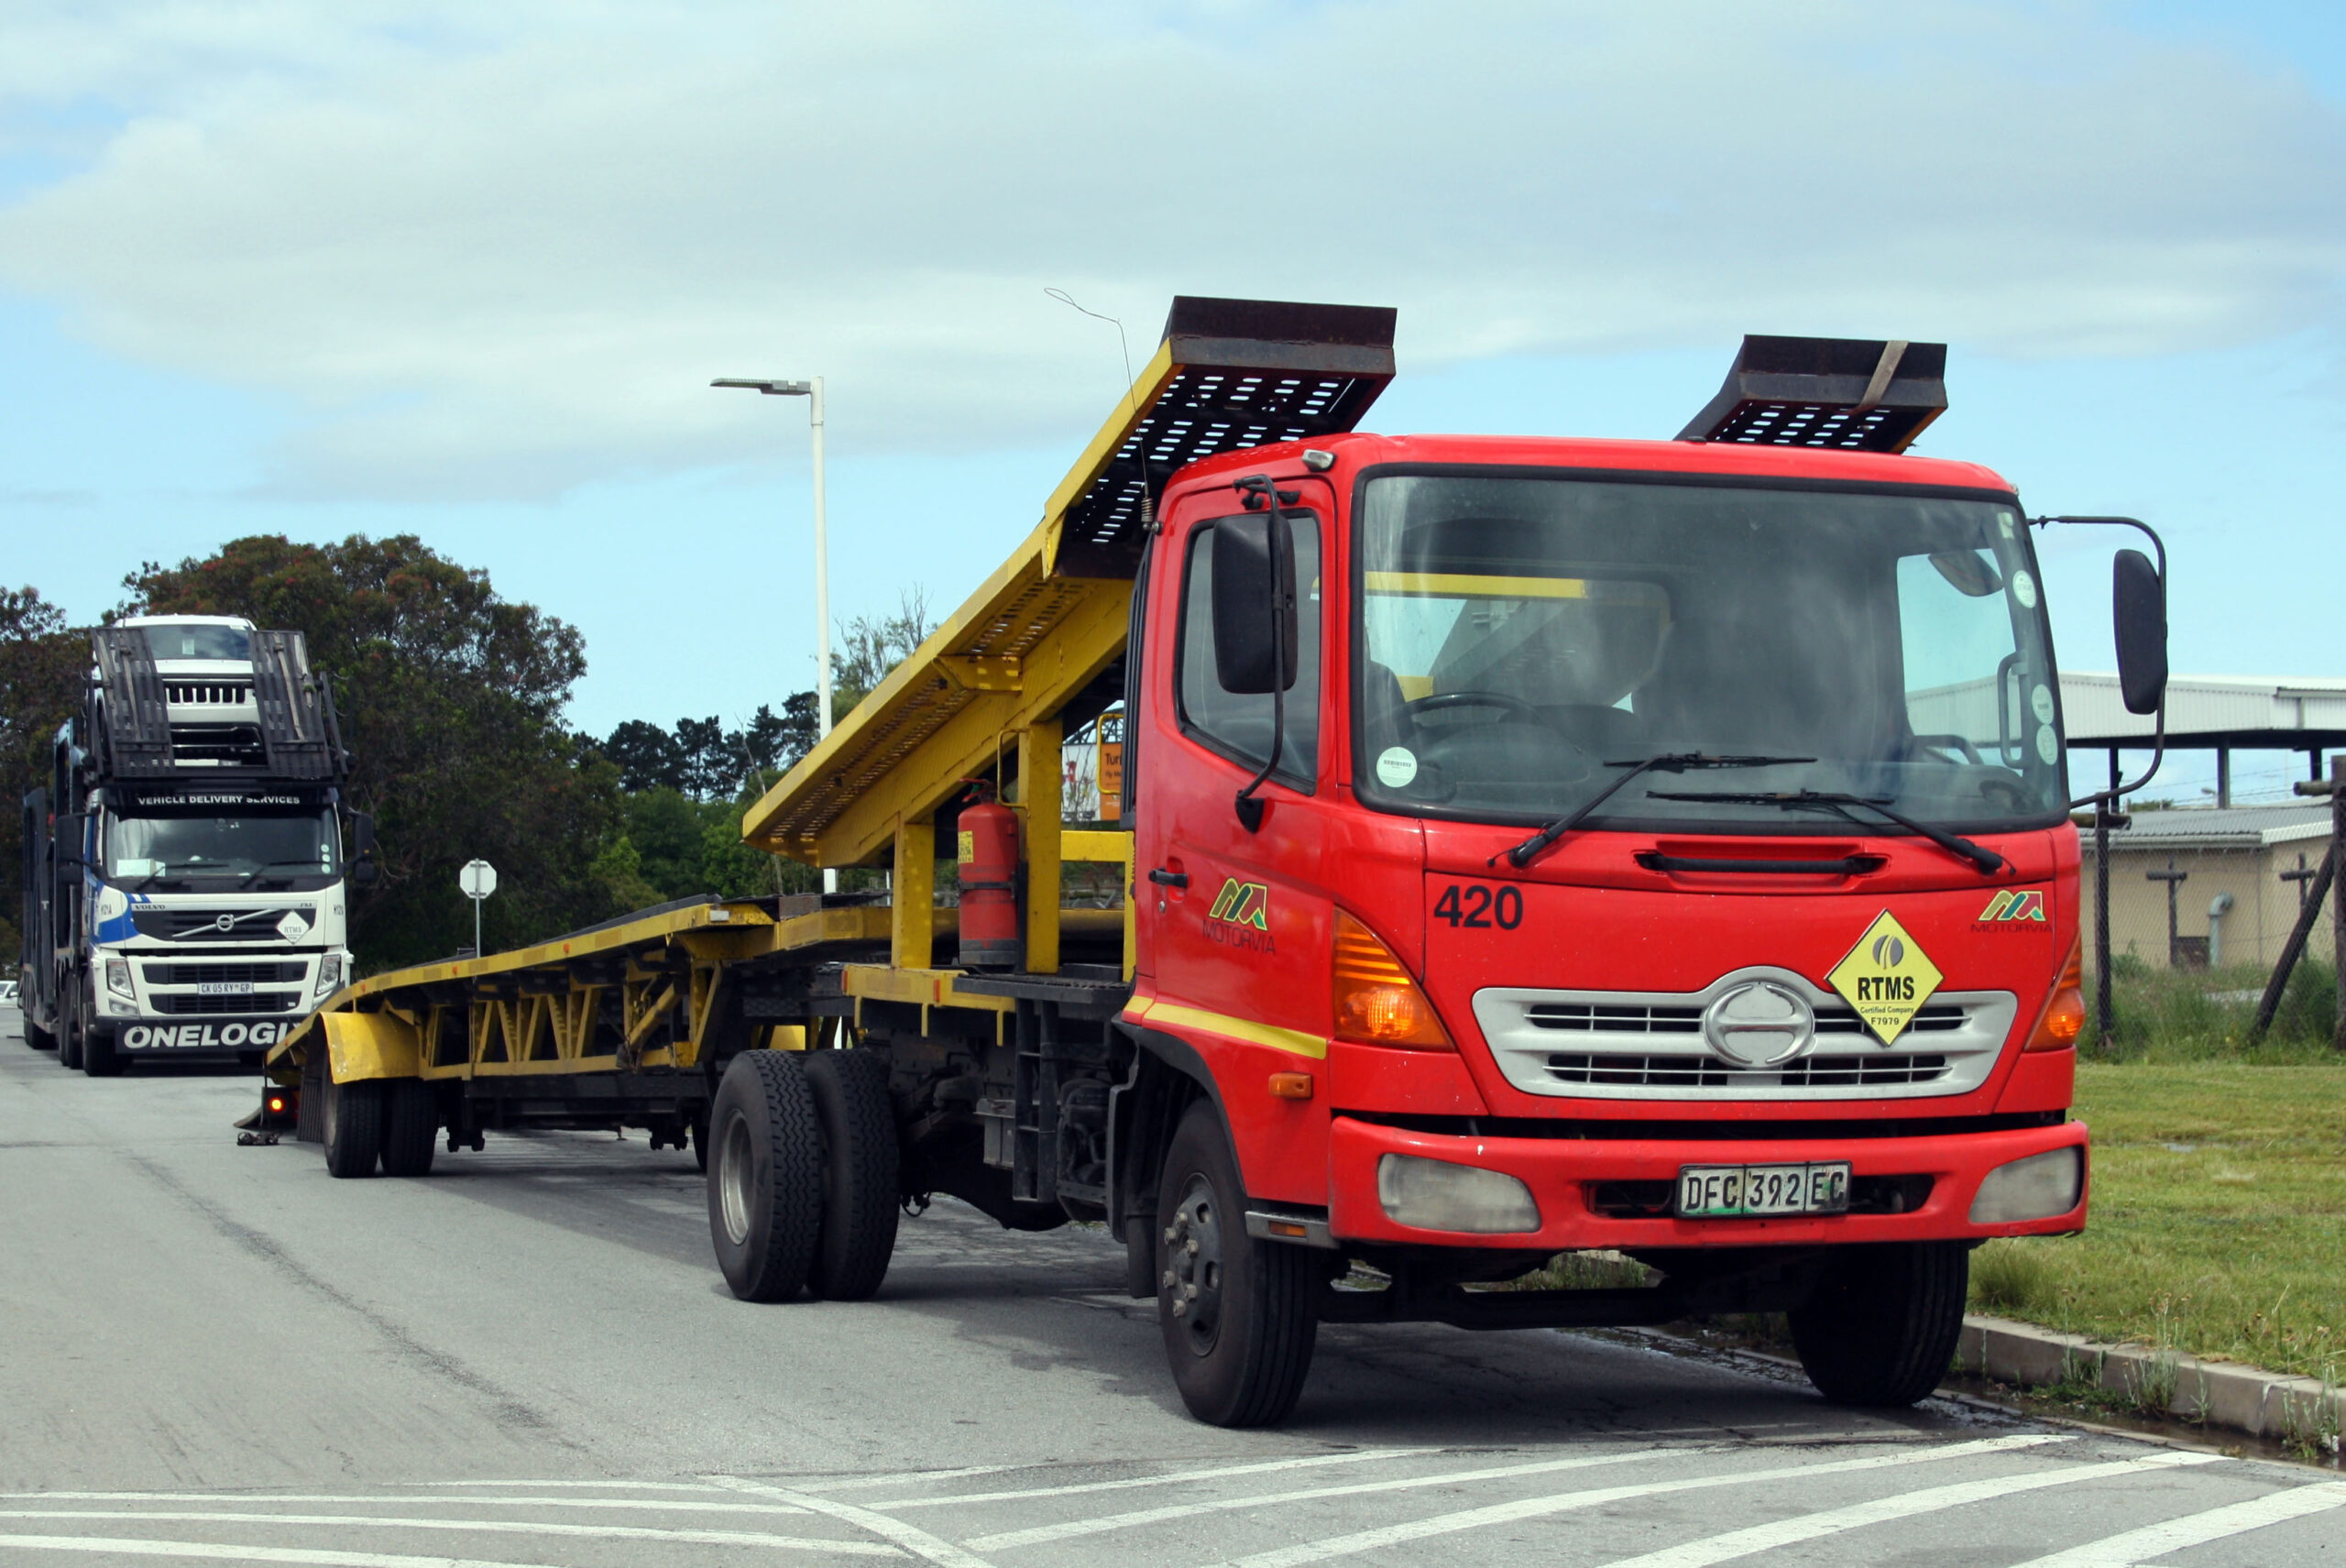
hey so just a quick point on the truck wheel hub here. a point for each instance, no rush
(1192, 1277)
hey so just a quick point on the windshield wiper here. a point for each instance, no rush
(1984, 859)
(1665, 762)
(271, 865)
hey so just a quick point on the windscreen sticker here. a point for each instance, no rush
(1886, 977)
(2040, 703)
(1396, 766)
(2048, 745)
(2025, 589)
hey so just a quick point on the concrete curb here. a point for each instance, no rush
(2212, 1393)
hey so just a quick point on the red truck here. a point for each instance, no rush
(1529, 846)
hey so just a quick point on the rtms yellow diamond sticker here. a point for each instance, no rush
(1887, 978)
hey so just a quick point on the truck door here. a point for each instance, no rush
(1235, 927)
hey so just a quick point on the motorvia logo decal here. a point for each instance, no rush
(1887, 977)
(1241, 916)
(2010, 908)
(201, 1036)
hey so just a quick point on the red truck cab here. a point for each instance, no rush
(1661, 847)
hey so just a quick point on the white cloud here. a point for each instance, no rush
(504, 259)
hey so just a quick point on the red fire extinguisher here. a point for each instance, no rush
(989, 874)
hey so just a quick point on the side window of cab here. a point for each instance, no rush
(1238, 725)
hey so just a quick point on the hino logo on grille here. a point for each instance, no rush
(1759, 1025)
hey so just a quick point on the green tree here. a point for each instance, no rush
(452, 700)
(42, 665)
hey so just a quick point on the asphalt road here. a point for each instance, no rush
(220, 1354)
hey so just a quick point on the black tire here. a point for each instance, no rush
(1882, 1326)
(354, 1128)
(410, 1126)
(1239, 1315)
(98, 1057)
(700, 1142)
(38, 1037)
(860, 1172)
(765, 1176)
(69, 1045)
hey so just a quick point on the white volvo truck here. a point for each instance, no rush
(184, 867)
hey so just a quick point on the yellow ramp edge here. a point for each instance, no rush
(1229, 375)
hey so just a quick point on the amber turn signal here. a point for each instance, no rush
(1377, 1001)
(2064, 1012)
(1290, 1086)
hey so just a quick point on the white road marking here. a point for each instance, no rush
(1179, 1476)
(484, 1527)
(630, 1486)
(1881, 1511)
(1099, 1525)
(905, 1477)
(912, 1538)
(135, 1546)
(1533, 1507)
(2139, 1546)
(650, 1505)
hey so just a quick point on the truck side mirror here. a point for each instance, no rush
(362, 834)
(1254, 597)
(2139, 611)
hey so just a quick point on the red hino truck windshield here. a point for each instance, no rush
(1519, 633)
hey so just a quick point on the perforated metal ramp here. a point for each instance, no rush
(134, 738)
(1230, 374)
(1854, 394)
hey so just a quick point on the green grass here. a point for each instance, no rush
(2182, 1015)
(2219, 1221)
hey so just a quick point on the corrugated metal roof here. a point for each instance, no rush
(2285, 713)
(2229, 827)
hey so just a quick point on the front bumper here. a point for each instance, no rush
(1576, 1181)
(193, 1037)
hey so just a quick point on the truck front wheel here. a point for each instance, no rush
(1239, 1315)
(98, 1057)
(353, 1126)
(1882, 1326)
(765, 1176)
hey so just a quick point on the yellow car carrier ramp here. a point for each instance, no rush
(1040, 643)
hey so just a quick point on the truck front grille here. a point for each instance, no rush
(208, 694)
(181, 1005)
(223, 974)
(178, 923)
(1650, 1046)
(1709, 1072)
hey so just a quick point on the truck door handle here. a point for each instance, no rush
(1164, 878)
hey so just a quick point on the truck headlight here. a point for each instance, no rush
(1435, 1195)
(2036, 1188)
(329, 974)
(119, 977)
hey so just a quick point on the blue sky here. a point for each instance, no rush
(384, 267)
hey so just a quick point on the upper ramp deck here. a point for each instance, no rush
(1230, 374)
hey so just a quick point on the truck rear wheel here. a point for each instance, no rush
(98, 1057)
(353, 1126)
(765, 1178)
(410, 1126)
(69, 1045)
(1239, 1315)
(1883, 1325)
(35, 1036)
(860, 1172)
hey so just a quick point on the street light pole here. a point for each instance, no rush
(822, 567)
(812, 391)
